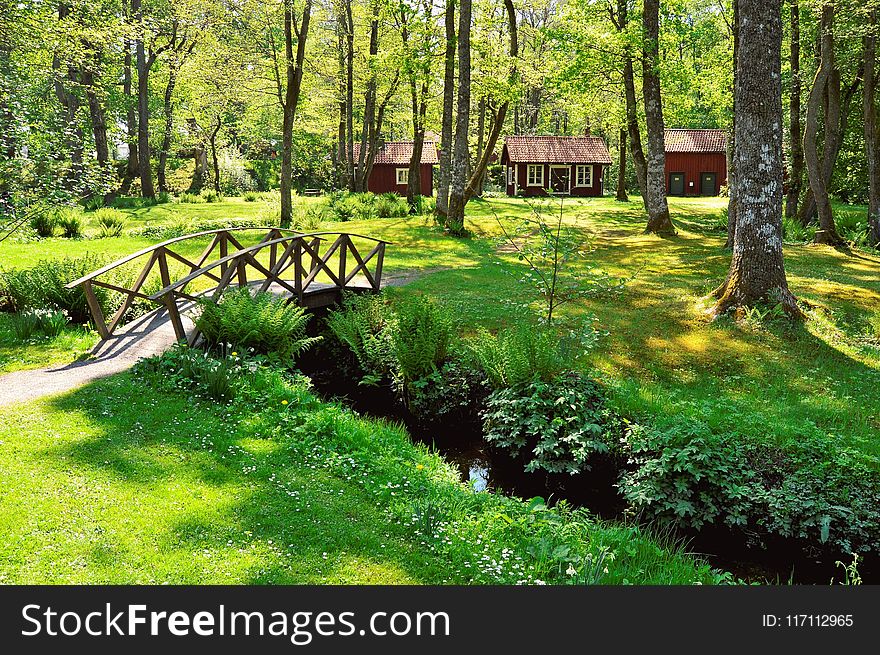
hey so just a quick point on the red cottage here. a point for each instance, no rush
(696, 162)
(570, 165)
(391, 167)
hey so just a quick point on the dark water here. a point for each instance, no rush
(460, 442)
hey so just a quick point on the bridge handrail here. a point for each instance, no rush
(184, 281)
(164, 244)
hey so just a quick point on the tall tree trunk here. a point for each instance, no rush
(757, 270)
(632, 116)
(64, 82)
(168, 111)
(796, 166)
(444, 173)
(455, 217)
(369, 134)
(732, 180)
(212, 140)
(143, 104)
(294, 73)
(349, 95)
(822, 83)
(98, 116)
(478, 175)
(621, 170)
(659, 221)
(419, 101)
(131, 168)
(872, 134)
(343, 179)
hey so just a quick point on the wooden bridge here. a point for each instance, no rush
(311, 269)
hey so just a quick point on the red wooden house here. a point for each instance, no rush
(570, 165)
(696, 162)
(391, 167)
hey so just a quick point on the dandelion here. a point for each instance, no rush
(283, 402)
(420, 467)
(234, 354)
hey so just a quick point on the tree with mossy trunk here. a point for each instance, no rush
(659, 221)
(757, 271)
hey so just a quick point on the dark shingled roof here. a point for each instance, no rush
(556, 150)
(677, 140)
(400, 152)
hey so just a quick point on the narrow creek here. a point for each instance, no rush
(487, 469)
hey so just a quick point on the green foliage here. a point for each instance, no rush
(191, 198)
(421, 336)
(451, 393)
(250, 196)
(210, 195)
(266, 172)
(555, 426)
(391, 205)
(43, 223)
(554, 254)
(265, 323)
(215, 375)
(30, 321)
(70, 222)
(816, 491)
(93, 203)
(364, 325)
(110, 221)
(520, 354)
(43, 286)
(136, 202)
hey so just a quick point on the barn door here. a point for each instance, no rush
(707, 184)
(676, 184)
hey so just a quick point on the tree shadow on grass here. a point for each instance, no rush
(225, 508)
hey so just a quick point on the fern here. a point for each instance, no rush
(364, 325)
(264, 323)
(519, 355)
(421, 337)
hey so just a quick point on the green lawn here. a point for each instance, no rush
(124, 482)
(100, 486)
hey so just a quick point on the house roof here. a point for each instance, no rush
(400, 152)
(556, 149)
(678, 140)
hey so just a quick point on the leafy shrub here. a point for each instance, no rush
(110, 221)
(818, 492)
(191, 198)
(216, 375)
(520, 354)
(426, 205)
(25, 324)
(43, 287)
(163, 197)
(251, 196)
(555, 426)
(135, 202)
(93, 203)
(70, 223)
(391, 205)
(212, 196)
(43, 223)
(421, 336)
(793, 231)
(453, 392)
(30, 321)
(235, 178)
(364, 324)
(265, 323)
(176, 229)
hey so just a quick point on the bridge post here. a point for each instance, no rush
(95, 309)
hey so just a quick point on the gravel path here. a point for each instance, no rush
(148, 335)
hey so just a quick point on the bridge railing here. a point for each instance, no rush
(291, 262)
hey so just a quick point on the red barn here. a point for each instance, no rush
(696, 162)
(570, 165)
(391, 167)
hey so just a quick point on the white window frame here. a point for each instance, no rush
(583, 168)
(511, 176)
(405, 175)
(537, 182)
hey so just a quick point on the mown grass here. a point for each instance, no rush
(73, 343)
(124, 482)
